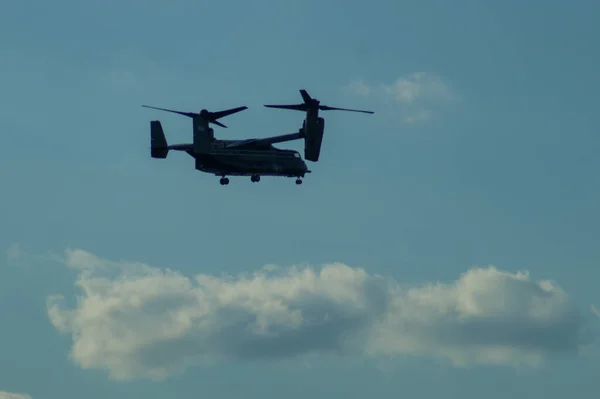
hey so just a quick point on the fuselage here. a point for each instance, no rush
(250, 160)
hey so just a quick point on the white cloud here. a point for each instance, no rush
(8, 395)
(415, 95)
(359, 87)
(16, 255)
(138, 321)
(418, 86)
(13, 253)
(419, 115)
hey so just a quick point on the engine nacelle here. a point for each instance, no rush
(158, 142)
(160, 153)
(203, 136)
(313, 139)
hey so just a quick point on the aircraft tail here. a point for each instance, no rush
(158, 142)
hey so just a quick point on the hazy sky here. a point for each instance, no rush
(446, 246)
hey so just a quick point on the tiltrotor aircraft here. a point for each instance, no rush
(254, 157)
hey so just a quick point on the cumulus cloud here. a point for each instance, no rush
(13, 253)
(139, 321)
(8, 395)
(16, 255)
(359, 87)
(414, 95)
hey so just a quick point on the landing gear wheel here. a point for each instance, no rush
(255, 178)
(298, 181)
(224, 181)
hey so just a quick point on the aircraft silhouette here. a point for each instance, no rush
(254, 157)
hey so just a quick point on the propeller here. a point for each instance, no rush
(312, 103)
(204, 114)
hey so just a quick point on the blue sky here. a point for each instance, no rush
(482, 152)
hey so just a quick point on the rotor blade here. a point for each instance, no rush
(295, 107)
(189, 114)
(305, 96)
(328, 108)
(220, 114)
(218, 123)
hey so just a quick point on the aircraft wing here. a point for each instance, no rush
(267, 140)
(240, 143)
(180, 147)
